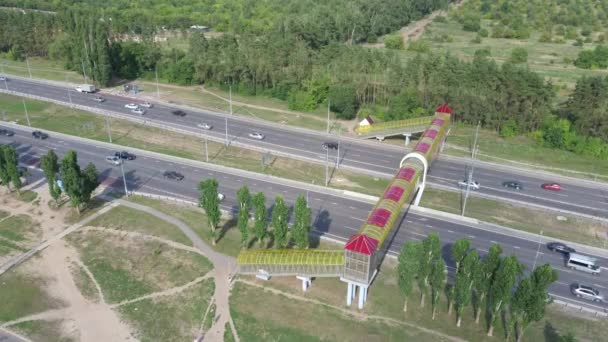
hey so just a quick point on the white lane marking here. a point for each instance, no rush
(600, 286)
(429, 226)
(483, 249)
(492, 241)
(449, 231)
(352, 208)
(562, 283)
(472, 236)
(357, 218)
(419, 234)
(422, 219)
(317, 199)
(334, 203)
(410, 221)
(516, 247)
(351, 228)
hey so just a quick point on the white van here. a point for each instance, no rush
(583, 263)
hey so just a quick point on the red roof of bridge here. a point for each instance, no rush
(361, 244)
(444, 108)
(379, 217)
(394, 193)
(406, 173)
(431, 133)
(423, 147)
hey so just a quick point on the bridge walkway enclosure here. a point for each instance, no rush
(383, 130)
(357, 264)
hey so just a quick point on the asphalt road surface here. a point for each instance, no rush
(333, 216)
(364, 156)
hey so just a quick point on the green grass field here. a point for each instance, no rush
(20, 229)
(124, 218)
(126, 267)
(23, 295)
(42, 331)
(172, 318)
(84, 283)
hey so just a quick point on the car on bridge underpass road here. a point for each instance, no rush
(179, 113)
(204, 125)
(146, 105)
(98, 99)
(560, 247)
(551, 186)
(114, 160)
(125, 155)
(173, 175)
(3, 79)
(330, 144)
(512, 185)
(39, 135)
(138, 111)
(220, 196)
(131, 106)
(586, 292)
(473, 184)
(6, 132)
(256, 135)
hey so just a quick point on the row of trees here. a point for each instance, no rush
(10, 175)
(282, 236)
(593, 59)
(77, 184)
(486, 282)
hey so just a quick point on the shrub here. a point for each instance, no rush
(421, 46)
(508, 129)
(476, 40)
(483, 32)
(518, 55)
(394, 42)
(343, 101)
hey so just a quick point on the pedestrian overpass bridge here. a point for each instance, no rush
(384, 130)
(357, 264)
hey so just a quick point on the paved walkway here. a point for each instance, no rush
(224, 267)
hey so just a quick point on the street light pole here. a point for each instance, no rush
(328, 105)
(28, 66)
(157, 89)
(537, 250)
(338, 152)
(327, 166)
(206, 150)
(226, 131)
(230, 87)
(124, 179)
(26, 114)
(109, 129)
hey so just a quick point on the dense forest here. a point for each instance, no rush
(310, 59)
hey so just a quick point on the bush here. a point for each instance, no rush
(343, 101)
(471, 23)
(508, 129)
(596, 58)
(518, 55)
(578, 42)
(476, 40)
(394, 42)
(483, 53)
(372, 38)
(483, 32)
(301, 100)
(421, 46)
(440, 19)
(404, 105)
(545, 37)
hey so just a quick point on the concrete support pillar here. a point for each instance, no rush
(407, 139)
(361, 296)
(350, 293)
(306, 281)
(364, 295)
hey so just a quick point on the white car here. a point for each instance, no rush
(256, 135)
(146, 105)
(138, 111)
(220, 196)
(473, 184)
(204, 126)
(131, 106)
(114, 160)
(2, 78)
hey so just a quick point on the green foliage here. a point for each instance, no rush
(460, 248)
(209, 201)
(9, 171)
(71, 178)
(90, 182)
(504, 279)
(465, 279)
(280, 218)
(343, 101)
(404, 105)
(243, 197)
(408, 268)
(301, 226)
(593, 59)
(518, 55)
(421, 46)
(394, 42)
(508, 129)
(50, 166)
(260, 217)
(431, 251)
(5, 179)
(484, 275)
(483, 33)
(471, 22)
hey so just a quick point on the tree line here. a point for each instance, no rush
(258, 230)
(494, 285)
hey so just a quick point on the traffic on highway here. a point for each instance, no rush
(375, 159)
(334, 216)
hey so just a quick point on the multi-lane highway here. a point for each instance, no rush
(333, 216)
(364, 156)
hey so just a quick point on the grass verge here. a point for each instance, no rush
(84, 283)
(42, 331)
(23, 295)
(124, 218)
(228, 336)
(127, 267)
(26, 196)
(19, 232)
(573, 228)
(173, 318)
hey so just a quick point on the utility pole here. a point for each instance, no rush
(328, 105)
(26, 114)
(327, 166)
(230, 100)
(474, 150)
(470, 173)
(109, 129)
(28, 66)
(206, 150)
(84, 73)
(226, 131)
(338, 152)
(69, 95)
(156, 74)
(537, 250)
(124, 179)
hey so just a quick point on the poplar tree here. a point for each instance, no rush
(72, 179)
(4, 177)
(260, 217)
(301, 226)
(459, 251)
(279, 223)
(409, 260)
(209, 201)
(437, 282)
(431, 250)
(50, 166)
(483, 276)
(463, 285)
(11, 165)
(243, 197)
(502, 284)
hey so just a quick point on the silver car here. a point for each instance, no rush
(138, 111)
(256, 135)
(204, 125)
(146, 105)
(114, 160)
(586, 292)
(474, 185)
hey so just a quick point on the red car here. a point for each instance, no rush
(551, 186)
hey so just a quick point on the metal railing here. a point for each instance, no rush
(381, 126)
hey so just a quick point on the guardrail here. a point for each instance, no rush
(425, 120)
